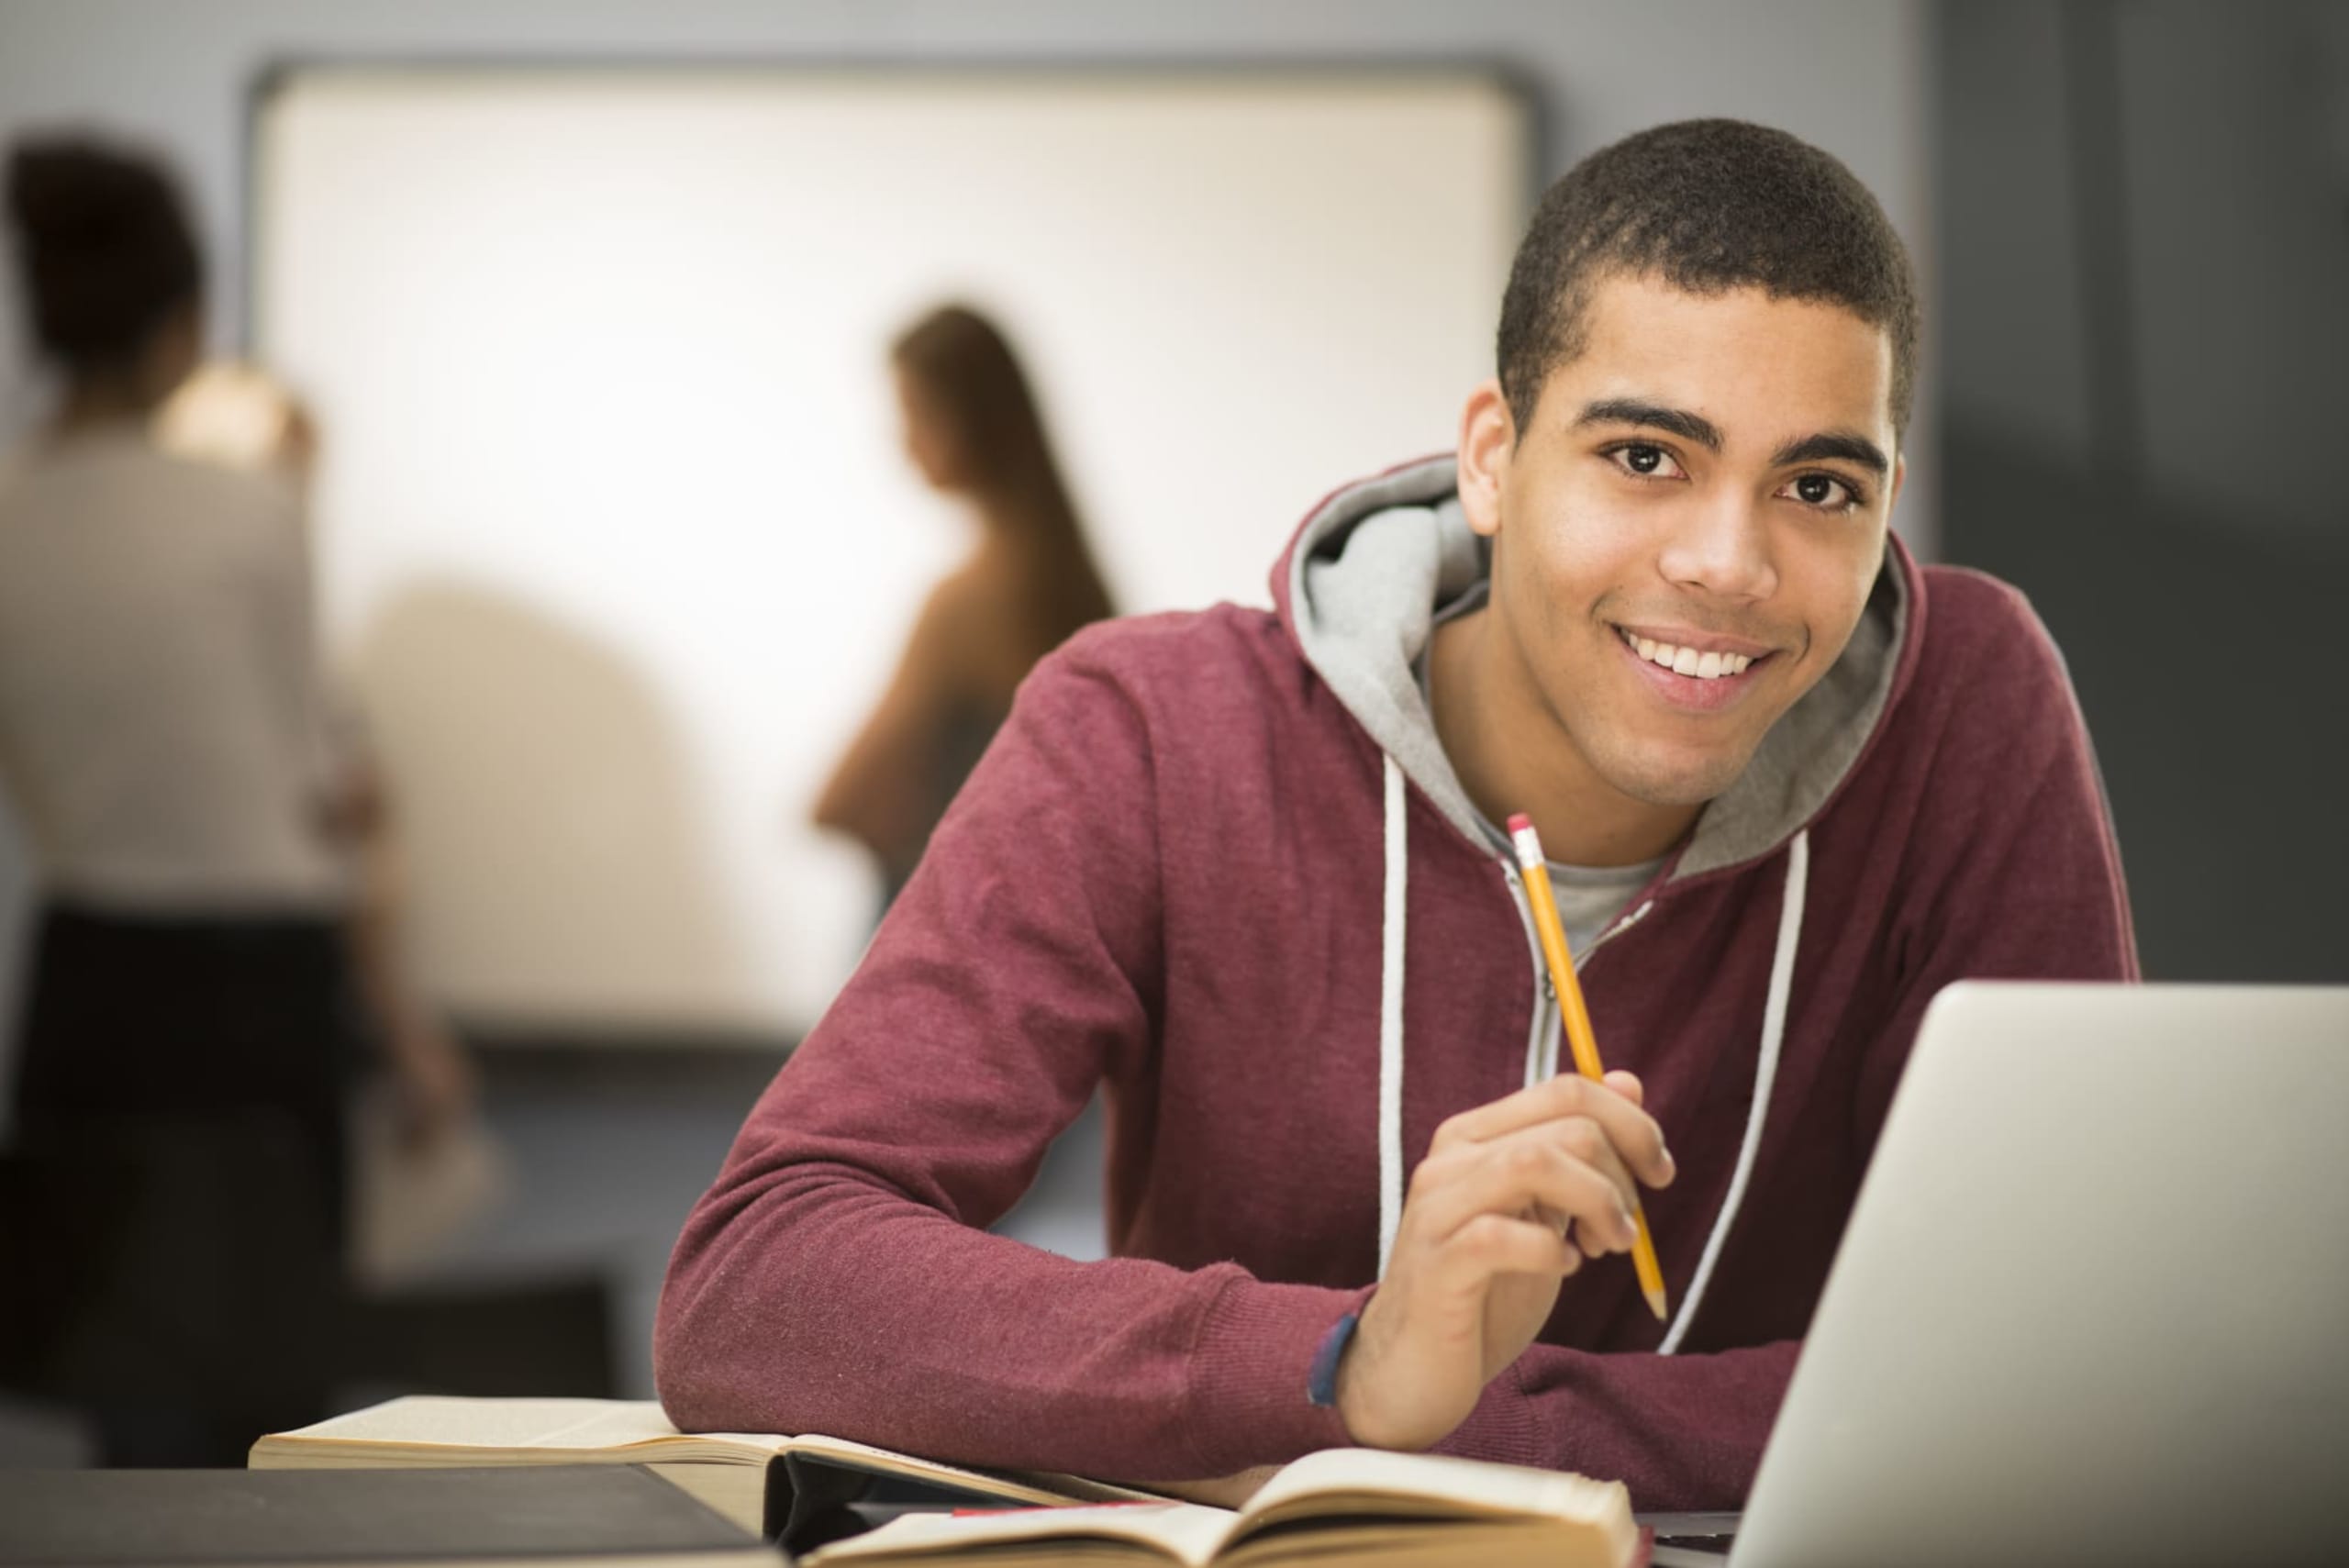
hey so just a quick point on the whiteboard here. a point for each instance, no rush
(616, 544)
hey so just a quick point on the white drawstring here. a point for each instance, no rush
(1390, 1023)
(1390, 1051)
(1773, 1031)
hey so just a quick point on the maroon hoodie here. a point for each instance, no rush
(1175, 872)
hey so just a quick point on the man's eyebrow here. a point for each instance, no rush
(1844, 444)
(1633, 411)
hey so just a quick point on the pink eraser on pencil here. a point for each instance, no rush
(1519, 822)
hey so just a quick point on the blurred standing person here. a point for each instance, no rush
(239, 417)
(973, 432)
(163, 740)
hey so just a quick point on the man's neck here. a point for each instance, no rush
(1510, 756)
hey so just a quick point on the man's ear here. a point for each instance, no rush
(1899, 476)
(1488, 440)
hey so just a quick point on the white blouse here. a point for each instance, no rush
(162, 733)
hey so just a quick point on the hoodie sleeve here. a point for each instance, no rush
(2018, 877)
(1682, 1432)
(837, 1278)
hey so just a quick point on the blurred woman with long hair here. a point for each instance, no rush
(973, 432)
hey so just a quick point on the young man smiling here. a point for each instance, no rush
(1240, 868)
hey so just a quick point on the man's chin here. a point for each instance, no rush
(1681, 782)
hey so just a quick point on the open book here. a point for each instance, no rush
(1341, 1505)
(758, 1481)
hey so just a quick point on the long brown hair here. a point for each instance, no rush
(970, 379)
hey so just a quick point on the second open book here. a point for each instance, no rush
(748, 1476)
(1342, 1504)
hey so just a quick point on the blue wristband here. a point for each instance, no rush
(1321, 1383)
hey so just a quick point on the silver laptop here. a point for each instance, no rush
(2093, 1302)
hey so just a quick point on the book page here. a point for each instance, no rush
(738, 1491)
(566, 1424)
(1017, 1486)
(1185, 1531)
(1429, 1485)
(435, 1429)
(1085, 1489)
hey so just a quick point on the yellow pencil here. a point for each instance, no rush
(1577, 1022)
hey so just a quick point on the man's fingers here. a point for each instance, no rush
(1618, 1235)
(1565, 1167)
(1500, 1244)
(1631, 1130)
(1536, 1102)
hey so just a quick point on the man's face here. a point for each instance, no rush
(1687, 528)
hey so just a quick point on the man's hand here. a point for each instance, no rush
(1511, 1199)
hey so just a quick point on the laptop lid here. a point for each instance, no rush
(2093, 1302)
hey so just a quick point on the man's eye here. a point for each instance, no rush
(1647, 462)
(1819, 490)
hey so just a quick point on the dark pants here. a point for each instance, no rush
(174, 1204)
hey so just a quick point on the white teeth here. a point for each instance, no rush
(1708, 666)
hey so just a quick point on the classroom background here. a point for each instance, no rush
(608, 641)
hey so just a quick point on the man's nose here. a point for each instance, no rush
(1721, 547)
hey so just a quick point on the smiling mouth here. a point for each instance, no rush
(1688, 662)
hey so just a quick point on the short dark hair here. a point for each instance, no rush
(108, 254)
(1706, 205)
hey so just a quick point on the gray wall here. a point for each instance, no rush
(2143, 318)
(596, 1182)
